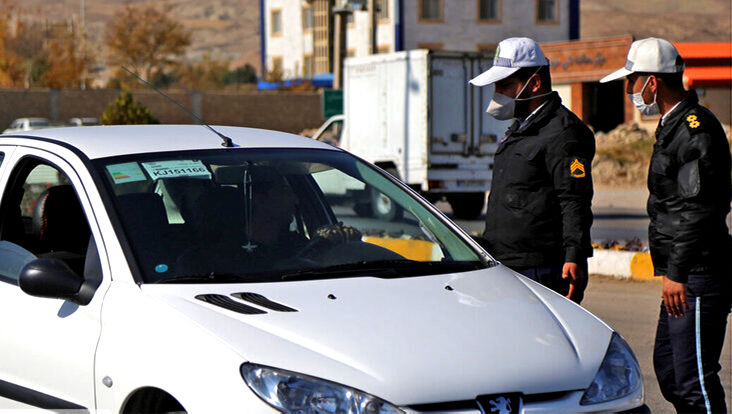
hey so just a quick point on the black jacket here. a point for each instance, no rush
(689, 183)
(538, 210)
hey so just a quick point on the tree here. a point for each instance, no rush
(146, 39)
(125, 110)
(206, 73)
(40, 54)
(242, 74)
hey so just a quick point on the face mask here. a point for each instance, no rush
(641, 105)
(503, 107)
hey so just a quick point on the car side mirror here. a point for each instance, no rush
(51, 278)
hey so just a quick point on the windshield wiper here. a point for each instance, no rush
(387, 269)
(207, 278)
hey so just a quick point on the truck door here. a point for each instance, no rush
(449, 92)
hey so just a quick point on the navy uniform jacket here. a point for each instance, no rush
(689, 183)
(538, 210)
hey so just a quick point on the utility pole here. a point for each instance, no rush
(83, 43)
(371, 8)
(339, 44)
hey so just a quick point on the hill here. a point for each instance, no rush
(223, 28)
(675, 20)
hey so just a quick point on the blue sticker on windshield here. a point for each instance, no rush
(161, 268)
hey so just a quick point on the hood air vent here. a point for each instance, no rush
(260, 300)
(230, 304)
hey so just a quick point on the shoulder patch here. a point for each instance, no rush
(577, 169)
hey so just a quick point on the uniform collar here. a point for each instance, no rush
(544, 111)
(665, 126)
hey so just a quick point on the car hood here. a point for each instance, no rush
(413, 340)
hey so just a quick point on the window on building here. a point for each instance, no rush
(350, 19)
(547, 11)
(307, 18)
(431, 46)
(430, 10)
(350, 52)
(487, 48)
(489, 10)
(383, 49)
(382, 10)
(277, 65)
(276, 22)
(307, 65)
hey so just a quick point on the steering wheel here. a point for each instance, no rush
(309, 247)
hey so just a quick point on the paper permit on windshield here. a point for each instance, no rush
(127, 172)
(176, 168)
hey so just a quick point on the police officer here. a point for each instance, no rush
(538, 216)
(690, 190)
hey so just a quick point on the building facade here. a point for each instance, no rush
(297, 35)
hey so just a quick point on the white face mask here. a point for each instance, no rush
(641, 105)
(503, 107)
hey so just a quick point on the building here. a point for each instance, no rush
(578, 66)
(297, 35)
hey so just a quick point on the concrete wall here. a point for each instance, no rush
(282, 111)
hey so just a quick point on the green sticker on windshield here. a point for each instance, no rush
(127, 172)
(176, 168)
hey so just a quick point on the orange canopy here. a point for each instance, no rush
(705, 50)
(709, 75)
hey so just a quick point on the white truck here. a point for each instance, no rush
(414, 114)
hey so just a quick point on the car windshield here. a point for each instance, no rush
(38, 123)
(275, 214)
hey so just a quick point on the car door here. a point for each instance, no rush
(47, 345)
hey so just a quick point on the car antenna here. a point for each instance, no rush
(228, 143)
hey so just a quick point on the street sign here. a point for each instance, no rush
(332, 103)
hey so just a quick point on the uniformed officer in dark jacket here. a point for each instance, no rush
(538, 217)
(690, 191)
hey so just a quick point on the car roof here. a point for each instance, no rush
(109, 141)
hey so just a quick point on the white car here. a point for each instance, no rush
(151, 269)
(27, 124)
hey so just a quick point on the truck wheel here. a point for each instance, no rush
(466, 206)
(384, 208)
(363, 209)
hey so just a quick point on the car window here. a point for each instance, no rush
(259, 215)
(42, 216)
(38, 123)
(332, 134)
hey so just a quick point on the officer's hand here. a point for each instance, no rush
(674, 297)
(577, 280)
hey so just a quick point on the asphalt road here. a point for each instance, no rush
(610, 223)
(631, 307)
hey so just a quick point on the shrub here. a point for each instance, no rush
(127, 111)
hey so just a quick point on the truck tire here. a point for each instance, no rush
(363, 209)
(384, 208)
(466, 206)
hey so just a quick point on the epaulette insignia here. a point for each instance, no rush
(693, 121)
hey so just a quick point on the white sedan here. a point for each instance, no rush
(151, 269)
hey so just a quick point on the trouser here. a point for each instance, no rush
(551, 277)
(687, 350)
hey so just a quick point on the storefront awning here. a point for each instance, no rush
(702, 76)
(706, 50)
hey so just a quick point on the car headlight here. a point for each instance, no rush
(619, 374)
(291, 392)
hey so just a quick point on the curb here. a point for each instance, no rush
(621, 264)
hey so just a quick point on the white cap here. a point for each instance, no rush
(512, 54)
(650, 55)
